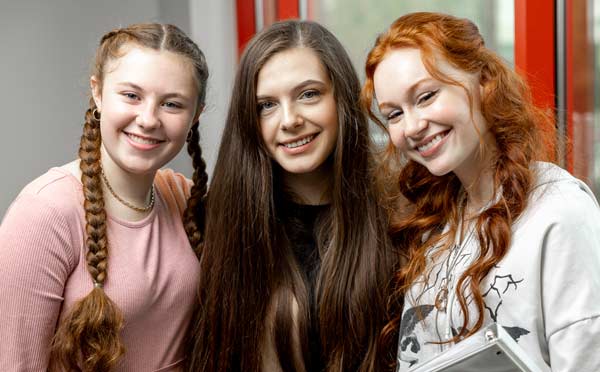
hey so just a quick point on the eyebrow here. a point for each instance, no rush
(308, 82)
(298, 87)
(137, 87)
(411, 91)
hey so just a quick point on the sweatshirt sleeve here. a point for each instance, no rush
(571, 284)
(36, 258)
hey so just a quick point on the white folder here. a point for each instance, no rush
(491, 349)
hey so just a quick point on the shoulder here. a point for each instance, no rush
(557, 193)
(562, 213)
(57, 189)
(174, 188)
(48, 211)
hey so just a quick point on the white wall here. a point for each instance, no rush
(47, 48)
(213, 27)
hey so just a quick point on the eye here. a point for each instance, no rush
(265, 106)
(309, 94)
(424, 98)
(131, 96)
(394, 116)
(172, 105)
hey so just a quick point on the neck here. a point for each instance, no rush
(478, 180)
(310, 188)
(479, 192)
(134, 188)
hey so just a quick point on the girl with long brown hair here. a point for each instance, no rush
(96, 267)
(493, 233)
(295, 258)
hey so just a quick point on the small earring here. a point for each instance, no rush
(96, 114)
(189, 135)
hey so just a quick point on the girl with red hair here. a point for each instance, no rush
(493, 233)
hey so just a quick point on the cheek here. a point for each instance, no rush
(397, 136)
(178, 131)
(451, 108)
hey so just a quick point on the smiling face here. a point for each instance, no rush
(148, 102)
(297, 110)
(429, 120)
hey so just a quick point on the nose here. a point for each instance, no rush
(414, 125)
(147, 116)
(290, 118)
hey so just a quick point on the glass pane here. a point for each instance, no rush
(357, 22)
(581, 102)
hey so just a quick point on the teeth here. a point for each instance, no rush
(431, 143)
(300, 142)
(144, 141)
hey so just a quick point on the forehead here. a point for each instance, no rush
(398, 70)
(141, 65)
(289, 68)
(404, 62)
(401, 68)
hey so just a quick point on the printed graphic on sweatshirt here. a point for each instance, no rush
(492, 297)
(427, 315)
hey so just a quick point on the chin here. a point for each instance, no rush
(438, 171)
(298, 169)
(139, 169)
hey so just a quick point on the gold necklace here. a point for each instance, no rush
(125, 202)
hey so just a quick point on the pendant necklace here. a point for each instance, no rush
(451, 262)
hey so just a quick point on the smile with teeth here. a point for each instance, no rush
(435, 140)
(301, 142)
(142, 140)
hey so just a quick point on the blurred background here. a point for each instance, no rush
(47, 48)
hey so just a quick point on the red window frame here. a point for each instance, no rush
(247, 24)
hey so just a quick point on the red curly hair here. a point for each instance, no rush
(522, 132)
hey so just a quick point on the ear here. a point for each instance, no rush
(199, 110)
(96, 89)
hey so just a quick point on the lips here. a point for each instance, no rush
(142, 139)
(424, 146)
(299, 142)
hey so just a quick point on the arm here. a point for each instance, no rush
(571, 287)
(36, 258)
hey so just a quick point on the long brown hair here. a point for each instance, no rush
(522, 133)
(88, 337)
(246, 261)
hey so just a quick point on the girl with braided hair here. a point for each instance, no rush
(96, 266)
(493, 233)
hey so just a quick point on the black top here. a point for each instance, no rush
(299, 222)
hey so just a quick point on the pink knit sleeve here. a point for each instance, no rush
(36, 258)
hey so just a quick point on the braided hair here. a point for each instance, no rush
(88, 337)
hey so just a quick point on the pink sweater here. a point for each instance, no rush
(152, 273)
